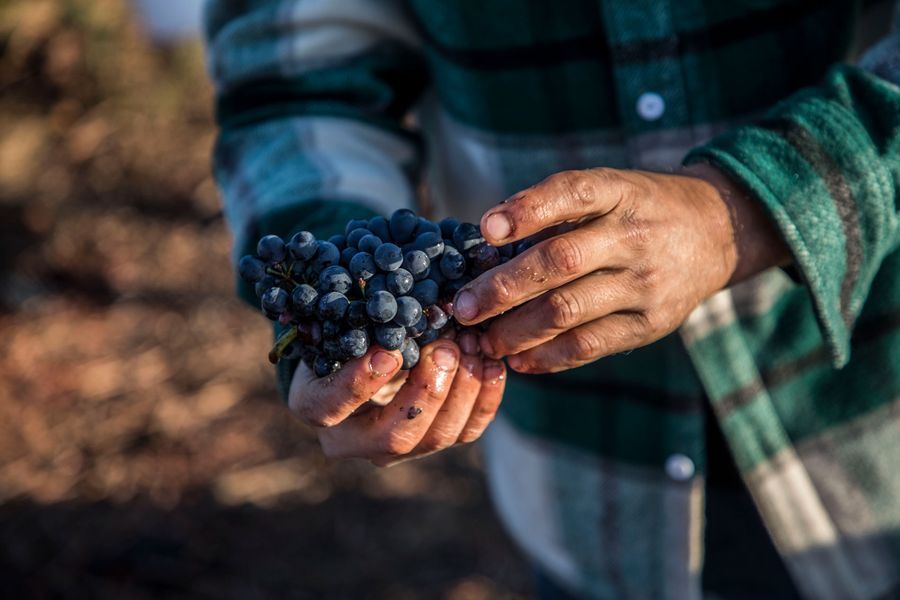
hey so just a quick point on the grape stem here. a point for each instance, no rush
(281, 344)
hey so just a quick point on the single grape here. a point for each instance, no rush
(357, 317)
(251, 269)
(304, 299)
(484, 257)
(426, 225)
(347, 255)
(303, 245)
(388, 257)
(354, 224)
(417, 263)
(466, 236)
(354, 343)
(376, 284)
(381, 307)
(390, 336)
(410, 353)
(399, 282)
(402, 224)
(324, 366)
(437, 318)
(327, 254)
(264, 284)
(333, 306)
(355, 236)
(362, 266)
(271, 249)
(453, 264)
(447, 227)
(369, 243)
(274, 301)
(431, 243)
(380, 227)
(339, 240)
(426, 292)
(331, 347)
(420, 327)
(428, 337)
(436, 276)
(335, 279)
(331, 329)
(409, 311)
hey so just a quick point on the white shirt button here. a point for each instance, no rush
(650, 106)
(679, 467)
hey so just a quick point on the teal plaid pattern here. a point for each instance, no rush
(332, 109)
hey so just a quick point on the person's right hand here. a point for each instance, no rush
(449, 397)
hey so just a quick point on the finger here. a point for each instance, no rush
(614, 333)
(493, 382)
(548, 265)
(468, 342)
(452, 416)
(396, 428)
(326, 401)
(584, 300)
(562, 197)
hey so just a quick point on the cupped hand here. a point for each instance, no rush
(637, 253)
(448, 398)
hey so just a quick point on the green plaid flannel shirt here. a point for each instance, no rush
(599, 473)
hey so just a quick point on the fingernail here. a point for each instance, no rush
(469, 343)
(498, 226)
(469, 363)
(493, 371)
(486, 346)
(465, 305)
(444, 358)
(383, 363)
(514, 362)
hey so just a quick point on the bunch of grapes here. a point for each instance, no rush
(389, 282)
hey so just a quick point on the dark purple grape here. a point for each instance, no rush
(417, 263)
(376, 284)
(399, 282)
(335, 279)
(380, 227)
(355, 236)
(428, 337)
(388, 257)
(331, 329)
(357, 317)
(339, 240)
(263, 285)
(333, 306)
(274, 301)
(402, 224)
(327, 255)
(381, 307)
(426, 292)
(420, 327)
(347, 255)
(302, 246)
(484, 257)
(410, 353)
(426, 225)
(453, 264)
(369, 243)
(309, 332)
(466, 236)
(447, 227)
(437, 318)
(362, 266)
(390, 336)
(354, 343)
(436, 276)
(431, 243)
(271, 249)
(331, 347)
(324, 366)
(251, 269)
(355, 224)
(409, 311)
(304, 299)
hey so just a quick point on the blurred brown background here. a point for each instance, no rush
(143, 452)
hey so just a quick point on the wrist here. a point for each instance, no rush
(757, 242)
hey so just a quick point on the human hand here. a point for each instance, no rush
(448, 398)
(637, 253)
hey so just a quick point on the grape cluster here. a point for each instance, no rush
(385, 281)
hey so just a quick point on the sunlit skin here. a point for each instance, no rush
(627, 256)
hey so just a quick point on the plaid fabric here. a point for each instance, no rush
(599, 472)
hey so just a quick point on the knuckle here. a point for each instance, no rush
(564, 256)
(499, 290)
(563, 308)
(636, 230)
(587, 345)
(645, 277)
(577, 187)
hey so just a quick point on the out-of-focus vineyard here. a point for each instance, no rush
(143, 451)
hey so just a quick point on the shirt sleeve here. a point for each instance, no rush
(311, 97)
(826, 165)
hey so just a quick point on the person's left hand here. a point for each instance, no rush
(639, 252)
